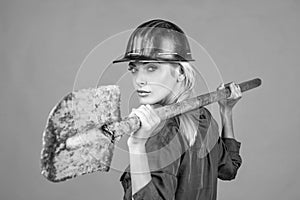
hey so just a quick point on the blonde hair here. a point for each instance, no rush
(187, 126)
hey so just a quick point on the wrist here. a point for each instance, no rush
(137, 150)
(226, 117)
(226, 112)
(138, 147)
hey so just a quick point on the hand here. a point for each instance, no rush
(149, 122)
(236, 94)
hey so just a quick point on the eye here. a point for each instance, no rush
(151, 68)
(132, 69)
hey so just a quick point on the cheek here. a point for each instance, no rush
(166, 77)
(162, 83)
(134, 81)
(164, 87)
(172, 72)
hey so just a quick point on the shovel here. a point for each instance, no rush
(83, 128)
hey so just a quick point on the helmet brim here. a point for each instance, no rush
(124, 59)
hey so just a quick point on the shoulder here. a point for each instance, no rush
(204, 113)
(207, 129)
(202, 116)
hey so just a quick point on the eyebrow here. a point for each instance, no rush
(132, 65)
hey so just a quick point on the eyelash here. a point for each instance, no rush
(150, 69)
(132, 70)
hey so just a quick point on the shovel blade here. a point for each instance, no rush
(73, 141)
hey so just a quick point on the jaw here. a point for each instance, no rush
(147, 100)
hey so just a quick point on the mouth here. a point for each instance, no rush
(143, 93)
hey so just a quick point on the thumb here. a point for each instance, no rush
(132, 112)
(222, 86)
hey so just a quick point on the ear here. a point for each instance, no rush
(180, 77)
(180, 73)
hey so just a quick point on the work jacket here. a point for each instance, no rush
(181, 172)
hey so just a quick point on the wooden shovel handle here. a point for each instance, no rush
(172, 110)
(131, 124)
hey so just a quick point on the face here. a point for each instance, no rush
(154, 81)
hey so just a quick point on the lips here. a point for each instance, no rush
(143, 93)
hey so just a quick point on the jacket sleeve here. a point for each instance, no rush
(229, 158)
(164, 152)
(161, 187)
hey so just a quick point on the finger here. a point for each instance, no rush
(149, 114)
(141, 109)
(238, 87)
(235, 91)
(239, 90)
(142, 116)
(144, 111)
(232, 91)
(222, 86)
(132, 113)
(154, 117)
(135, 112)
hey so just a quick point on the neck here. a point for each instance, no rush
(174, 95)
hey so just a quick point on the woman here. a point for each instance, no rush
(159, 59)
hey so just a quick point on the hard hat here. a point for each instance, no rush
(157, 41)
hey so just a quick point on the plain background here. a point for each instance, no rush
(43, 43)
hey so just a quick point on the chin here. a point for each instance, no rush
(144, 101)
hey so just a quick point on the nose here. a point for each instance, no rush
(140, 78)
